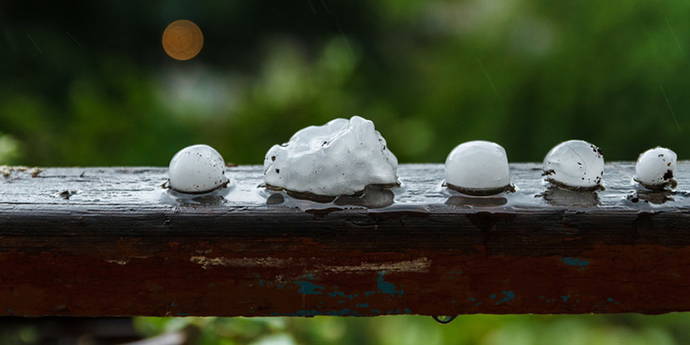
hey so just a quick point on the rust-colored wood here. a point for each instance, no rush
(112, 242)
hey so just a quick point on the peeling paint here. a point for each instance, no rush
(570, 261)
(119, 262)
(508, 296)
(309, 288)
(387, 287)
(565, 298)
(205, 262)
(418, 265)
(342, 294)
(313, 312)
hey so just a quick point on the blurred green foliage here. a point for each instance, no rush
(628, 329)
(86, 83)
(89, 84)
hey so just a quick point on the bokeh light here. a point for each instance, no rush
(182, 40)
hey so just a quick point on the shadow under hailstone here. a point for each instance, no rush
(557, 196)
(657, 197)
(469, 202)
(213, 198)
(373, 196)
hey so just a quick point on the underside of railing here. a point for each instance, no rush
(112, 242)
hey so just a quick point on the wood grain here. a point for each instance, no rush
(113, 242)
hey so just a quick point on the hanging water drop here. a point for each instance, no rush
(444, 319)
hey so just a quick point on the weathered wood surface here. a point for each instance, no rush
(111, 241)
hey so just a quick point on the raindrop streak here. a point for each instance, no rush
(325, 6)
(444, 319)
(673, 33)
(34, 43)
(73, 39)
(488, 77)
(313, 10)
(670, 107)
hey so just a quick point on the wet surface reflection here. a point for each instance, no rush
(469, 202)
(656, 197)
(556, 196)
(373, 196)
(212, 198)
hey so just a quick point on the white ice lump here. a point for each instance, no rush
(197, 169)
(575, 164)
(478, 167)
(655, 168)
(341, 157)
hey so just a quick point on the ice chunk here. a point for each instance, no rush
(478, 168)
(341, 157)
(197, 169)
(575, 164)
(655, 168)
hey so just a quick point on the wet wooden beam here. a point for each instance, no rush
(112, 242)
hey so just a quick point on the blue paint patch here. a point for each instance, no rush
(471, 299)
(342, 294)
(362, 305)
(492, 296)
(369, 293)
(507, 297)
(183, 314)
(387, 287)
(313, 312)
(309, 288)
(577, 262)
(565, 298)
(407, 311)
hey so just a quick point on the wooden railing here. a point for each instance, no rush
(112, 241)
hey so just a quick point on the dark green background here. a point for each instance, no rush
(87, 83)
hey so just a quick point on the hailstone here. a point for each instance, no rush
(655, 168)
(575, 164)
(341, 157)
(478, 167)
(197, 169)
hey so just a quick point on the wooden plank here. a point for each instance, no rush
(112, 242)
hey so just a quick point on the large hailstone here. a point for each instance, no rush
(197, 169)
(478, 168)
(341, 157)
(575, 164)
(655, 168)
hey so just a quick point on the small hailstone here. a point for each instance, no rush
(197, 169)
(478, 167)
(341, 157)
(575, 164)
(655, 168)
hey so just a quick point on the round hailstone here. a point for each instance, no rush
(655, 168)
(197, 169)
(575, 164)
(478, 168)
(341, 157)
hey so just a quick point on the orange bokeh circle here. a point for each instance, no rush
(182, 40)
